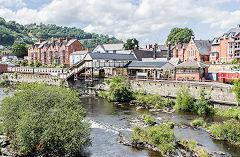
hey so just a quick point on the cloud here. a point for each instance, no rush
(12, 3)
(143, 19)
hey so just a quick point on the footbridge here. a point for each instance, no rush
(94, 63)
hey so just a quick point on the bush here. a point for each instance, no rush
(197, 123)
(6, 91)
(38, 64)
(229, 131)
(40, 118)
(31, 63)
(233, 112)
(148, 119)
(107, 81)
(63, 65)
(161, 136)
(120, 90)
(103, 95)
(236, 89)
(203, 106)
(184, 100)
(191, 145)
(231, 81)
(1, 129)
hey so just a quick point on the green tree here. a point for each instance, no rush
(40, 119)
(131, 44)
(236, 89)
(203, 106)
(182, 35)
(120, 90)
(184, 100)
(20, 50)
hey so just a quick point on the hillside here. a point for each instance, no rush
(11, 32)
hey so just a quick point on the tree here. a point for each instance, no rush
(41, 119)
(182, 35)
(236, 89)
(20, 50)
(184, 100)
(131, 44)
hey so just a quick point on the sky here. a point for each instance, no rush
(150, 21)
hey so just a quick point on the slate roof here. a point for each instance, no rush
(148, 54)
(161, 65)
(111, 47)
(193, 64)
(79, 52)
(70, 42)
(112, 56)
(203, 46)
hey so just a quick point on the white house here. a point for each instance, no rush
(111, 48)
(77, 56)
(9, 57)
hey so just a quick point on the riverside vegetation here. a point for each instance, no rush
(45, 120)
(121, 91)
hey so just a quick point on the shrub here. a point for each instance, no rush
(6, 91)
(107, 81)
(120, 90)
(236, 89)
(103, 95)
(148, 119)
(63, 65)
(229, 131)
(1, 129)
(40, 118)
(38, 64)
(203, 105)
(184, 100)
(231, 81)
(31, 63)
(161, 136)
(232, 112)
(197, 123)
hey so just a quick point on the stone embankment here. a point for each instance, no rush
(220, 93)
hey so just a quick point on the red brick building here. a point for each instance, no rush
(54, 51)
(179, 51)
(197, 50)
(227, 47)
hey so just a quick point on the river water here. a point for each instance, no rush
(108, 119)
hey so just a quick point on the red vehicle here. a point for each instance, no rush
(225, 76)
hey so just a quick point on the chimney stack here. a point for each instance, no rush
(120, 42)
(150, 46)
(155, 51)
(168, 52)
(110, 42)
(88, 49)
(41, 40)
(68, 38)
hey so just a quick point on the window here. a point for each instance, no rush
(230, 48)
(71, 47)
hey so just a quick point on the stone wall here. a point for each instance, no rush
(220, 93)
(215, 68)
(48, 79)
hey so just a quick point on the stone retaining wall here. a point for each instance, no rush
(48, 79)
(220, 93)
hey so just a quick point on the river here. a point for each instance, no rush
(108, 119)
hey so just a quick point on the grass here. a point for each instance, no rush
(198, 122)
(1, 129)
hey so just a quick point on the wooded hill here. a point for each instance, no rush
(11, 32)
